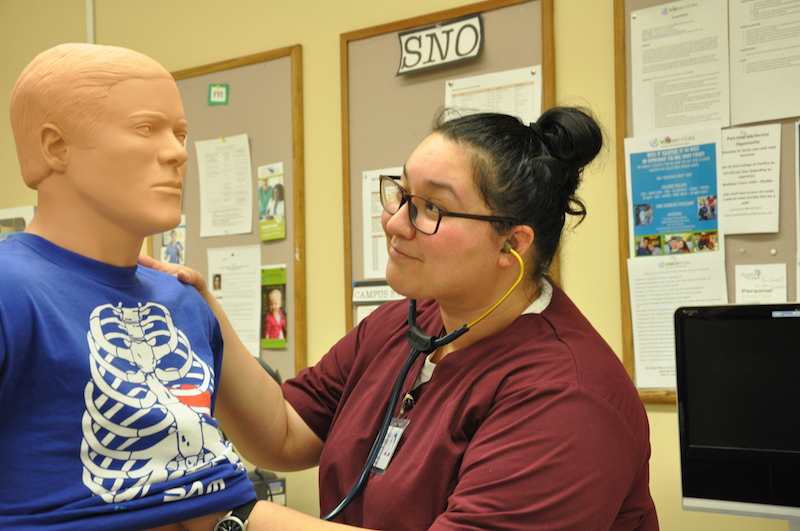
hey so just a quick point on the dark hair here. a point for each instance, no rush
(529, 173)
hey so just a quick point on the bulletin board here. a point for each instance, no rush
(385, 116)
(740, 249)
(264, 101)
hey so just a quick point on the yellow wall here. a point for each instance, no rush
(184, 34)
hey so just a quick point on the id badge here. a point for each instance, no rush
(389, 446)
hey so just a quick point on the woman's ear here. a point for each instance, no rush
(521, 239)
(54, 148)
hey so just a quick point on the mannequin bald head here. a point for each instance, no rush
(66, 87)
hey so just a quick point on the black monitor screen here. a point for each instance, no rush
(738, 378)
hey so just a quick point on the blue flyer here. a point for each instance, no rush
(672, 192)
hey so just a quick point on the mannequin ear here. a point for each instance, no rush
(54, 148)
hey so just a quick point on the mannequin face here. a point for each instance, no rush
(130, 177)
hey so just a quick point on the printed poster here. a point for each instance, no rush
(672, 193)
(226, 186)
(173, 244)
(271, 202)
(274, 326)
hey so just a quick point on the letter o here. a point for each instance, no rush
(475, 42)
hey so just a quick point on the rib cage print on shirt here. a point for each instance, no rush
(148, 403)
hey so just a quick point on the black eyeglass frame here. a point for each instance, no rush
(442, 211)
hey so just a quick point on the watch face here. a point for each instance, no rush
(229, 524)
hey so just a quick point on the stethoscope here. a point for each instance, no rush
(421, 343)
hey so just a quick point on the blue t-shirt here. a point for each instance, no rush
(108, 378)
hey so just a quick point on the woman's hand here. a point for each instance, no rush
(187, 275)
(250, 407)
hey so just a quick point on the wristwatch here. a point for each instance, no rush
(236, 520)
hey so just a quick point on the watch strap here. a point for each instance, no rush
(243, 511)
(237, 516)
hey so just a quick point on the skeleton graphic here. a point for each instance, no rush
(147, 404)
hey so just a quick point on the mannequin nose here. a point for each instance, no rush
(175, 153)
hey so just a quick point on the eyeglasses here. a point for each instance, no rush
(393, 197)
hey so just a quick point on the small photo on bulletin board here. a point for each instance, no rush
(707, 123)
(387, 111)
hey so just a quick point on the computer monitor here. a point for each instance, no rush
(738, 396)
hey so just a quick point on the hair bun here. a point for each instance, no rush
(570, 134)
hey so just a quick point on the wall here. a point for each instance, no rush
(182, 34)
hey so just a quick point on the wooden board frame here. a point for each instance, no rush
(548, 100)
(746, 249)
(293, 249)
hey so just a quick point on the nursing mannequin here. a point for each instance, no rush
(108, 371)
(99, 134)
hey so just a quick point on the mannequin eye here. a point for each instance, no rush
(145, 129)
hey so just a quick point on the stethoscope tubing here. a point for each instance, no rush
(420, 343)
(423, 343)
(376, 446)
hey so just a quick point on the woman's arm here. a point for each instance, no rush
(268, 516)
(250, 407)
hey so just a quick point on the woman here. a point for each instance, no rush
(264, 197)
(275, 205)
(527, 421)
